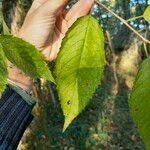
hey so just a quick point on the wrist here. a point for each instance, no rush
(18, 78)
(26, 85)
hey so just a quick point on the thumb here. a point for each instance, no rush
(53, 6)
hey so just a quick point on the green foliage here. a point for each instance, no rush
(3, 70)
(79, 66)
(146, 14)
(26, 57)
(140, 101)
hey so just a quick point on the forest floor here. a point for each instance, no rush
(105, 124)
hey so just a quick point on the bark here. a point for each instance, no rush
(14, 12)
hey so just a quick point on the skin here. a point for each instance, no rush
(45, 25)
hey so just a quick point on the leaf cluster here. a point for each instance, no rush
(78, 68)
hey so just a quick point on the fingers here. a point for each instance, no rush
(62, 24)
(67, 18)
(56, 44)
(53, 6)
(81, 8)
(47, 5)
(35, 5)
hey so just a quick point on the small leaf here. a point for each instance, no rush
(26, 57)
(3, 70)
(146, 14)
(140, 101)
(79, 66)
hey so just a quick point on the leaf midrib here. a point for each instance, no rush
(79, 64)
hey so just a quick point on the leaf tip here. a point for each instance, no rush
(66, 124)
(52, 80)
(68, 120)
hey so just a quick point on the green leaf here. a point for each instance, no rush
(146, 14)
(3, 70)
(140, 101)
(26, 57)
(79, 66)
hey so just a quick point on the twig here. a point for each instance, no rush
(124, 22)
(113, 62)
(145, 46)
(134, 18)
(51, 93)
(145, 49)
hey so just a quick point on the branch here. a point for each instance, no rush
(134, 18)
(113, 62)
(124, 22)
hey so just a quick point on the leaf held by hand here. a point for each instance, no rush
(26, 57)
(140, 101)
(79, 66)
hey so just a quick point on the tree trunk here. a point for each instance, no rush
(14, 12)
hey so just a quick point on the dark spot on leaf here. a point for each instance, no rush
(68, 102)
(136, 109)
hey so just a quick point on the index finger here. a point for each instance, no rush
(81, 8)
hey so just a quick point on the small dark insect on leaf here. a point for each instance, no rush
(68, 102)
(136, 109)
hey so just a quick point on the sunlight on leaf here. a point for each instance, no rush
(26, 57)
(140, 101)
(79, 66)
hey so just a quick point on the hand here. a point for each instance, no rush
(17, 77)
(47, 22)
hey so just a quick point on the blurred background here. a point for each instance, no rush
(106, 123)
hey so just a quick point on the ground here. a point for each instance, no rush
(105, 124)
